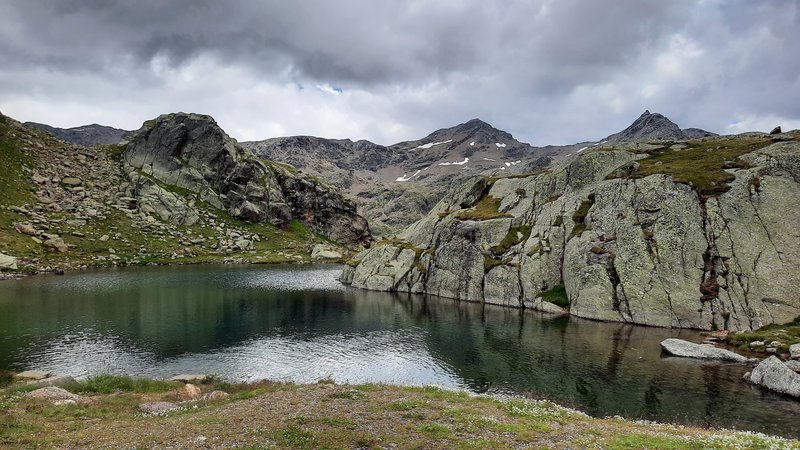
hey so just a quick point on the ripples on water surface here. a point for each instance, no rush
(298, 323)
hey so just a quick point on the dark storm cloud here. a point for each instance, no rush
(549, 70)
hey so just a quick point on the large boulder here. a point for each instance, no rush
(686, 349)
(8, 262)
(56, 396)
(179, 154)
(774, 375)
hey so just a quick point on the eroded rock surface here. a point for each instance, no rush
(628, 247)
(177, 154)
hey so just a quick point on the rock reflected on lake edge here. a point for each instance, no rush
(774, 375)
(686, 349)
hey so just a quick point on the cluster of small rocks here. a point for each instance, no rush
(770, 373)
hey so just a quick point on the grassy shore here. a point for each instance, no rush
(326, 415)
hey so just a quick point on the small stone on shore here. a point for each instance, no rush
(157, 407)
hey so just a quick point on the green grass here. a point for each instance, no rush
(647, 441)
(434, 430)
(485, 209)
(557, 295)
(391, 416)
(788, 334)
(16, 189)
(6, 378)
(579, 217)
(107, 384)
(702, 163)
(514, 236)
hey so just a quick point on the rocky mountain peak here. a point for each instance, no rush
(653, 126)
(85, 135)
(191, 152)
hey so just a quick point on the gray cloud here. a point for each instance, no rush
(548, 71)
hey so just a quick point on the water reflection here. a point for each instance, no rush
(297, 323)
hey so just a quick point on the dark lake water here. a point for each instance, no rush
(298, 323)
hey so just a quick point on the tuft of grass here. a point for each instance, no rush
(702, 163)
(485, 209)
(351, 394)
(788, 334)
(107, 384)
(579, 217)
(557, 295)
(648, 441)
(6, 378)
(514, 236)
(434, 430)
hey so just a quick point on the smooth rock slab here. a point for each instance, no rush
(190, 378)
(774, 375)
(686, 349)
(72, 181)
(157, 407)
(56, 380)
(32, 375)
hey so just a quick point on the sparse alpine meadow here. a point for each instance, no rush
(105, 413)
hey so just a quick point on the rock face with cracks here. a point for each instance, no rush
(181, 153)
(627, 245)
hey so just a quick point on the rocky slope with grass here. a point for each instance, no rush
(695, 234)
(180, 191)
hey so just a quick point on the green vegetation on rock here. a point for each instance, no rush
(787, 334)
(557, 295)
(579, 217)
(701, 163)
(485, 209)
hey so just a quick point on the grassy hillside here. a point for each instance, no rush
(41, 205)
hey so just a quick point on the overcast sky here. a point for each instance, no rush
(549, 71)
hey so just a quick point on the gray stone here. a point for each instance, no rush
(756, 344)
(32, 375)
(679, 347)
(794, 351)
(214, 395)
(56, 380)
(158, 407)
(56, 396)
(8, 262)
(56, 245)
(190, 378)
(774, 375)
(71, 181)
(324, 252)
(793, 364)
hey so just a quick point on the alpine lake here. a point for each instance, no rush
(298, 323)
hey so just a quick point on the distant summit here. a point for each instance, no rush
(650, 126)
(87, 135)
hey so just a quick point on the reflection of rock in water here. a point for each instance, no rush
(228, 320)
